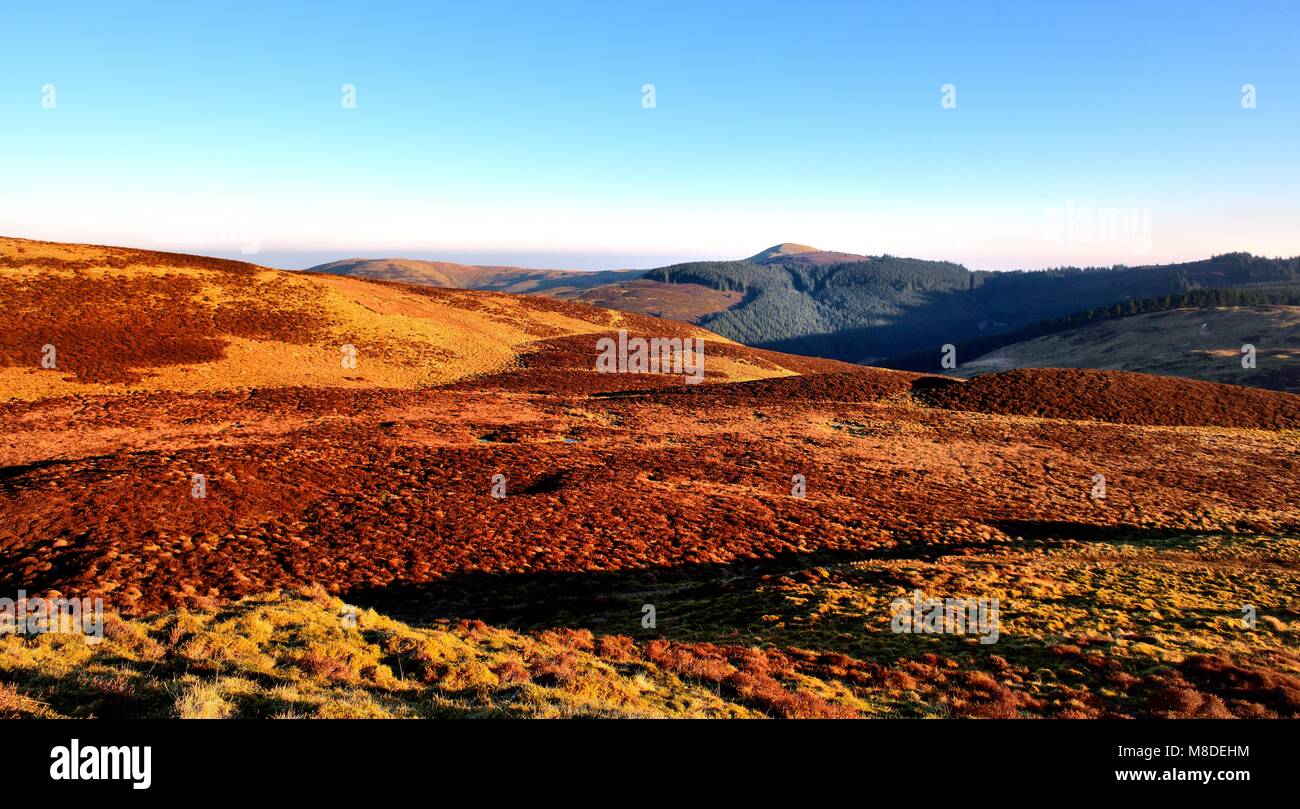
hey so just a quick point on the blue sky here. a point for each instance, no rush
(515, 132)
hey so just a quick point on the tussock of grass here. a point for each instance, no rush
(295, 656)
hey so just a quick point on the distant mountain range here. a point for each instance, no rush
(467, 276)
(881, 310)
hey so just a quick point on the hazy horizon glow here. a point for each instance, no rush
(509, 134)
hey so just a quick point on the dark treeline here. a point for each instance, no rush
(929, 359)
(887, 306)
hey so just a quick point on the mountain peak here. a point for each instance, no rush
(783, 250)
(791, 253)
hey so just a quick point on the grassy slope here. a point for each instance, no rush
(1123, 626)
(1197, 343)
(125, 320)
(689, 303)
(780, 607)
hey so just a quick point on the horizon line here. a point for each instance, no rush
(278, 257)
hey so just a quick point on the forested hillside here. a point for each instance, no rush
(836, 311)
(887, 306)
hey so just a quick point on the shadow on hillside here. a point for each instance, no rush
(535, 600)
(740, 600)
(20, 477)
(923, 386)
(1050, 531)
(935, 317)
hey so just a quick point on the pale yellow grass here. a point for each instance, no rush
(403, 339)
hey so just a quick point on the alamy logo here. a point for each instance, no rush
(1082, 225)
(39, 616)
(946, 616)
(236, 232)
(91, 763)
(657, 355)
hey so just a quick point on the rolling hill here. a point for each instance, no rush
(346, 551)
(465, 276)
(882, 310)
(127, 320)
(875, 308)
(1202, 343)
(791, 253)
(899, 312)
(689, 303)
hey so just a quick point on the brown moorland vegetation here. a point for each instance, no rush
(374, 486)
(1122, 397)
(687, 302)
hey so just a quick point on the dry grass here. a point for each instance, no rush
(1196, 343)
(133, 320)
(296, 656)
(1113, 629)
(623, 490)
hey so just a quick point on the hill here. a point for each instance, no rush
(475, 522)
(1119, 397)
(879, 307)
(125, 320)
(1201, 343)
(883, 310)
(465, 276)
(790, 252)
(689, 303)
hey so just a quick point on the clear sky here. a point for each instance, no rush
(514, 132)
